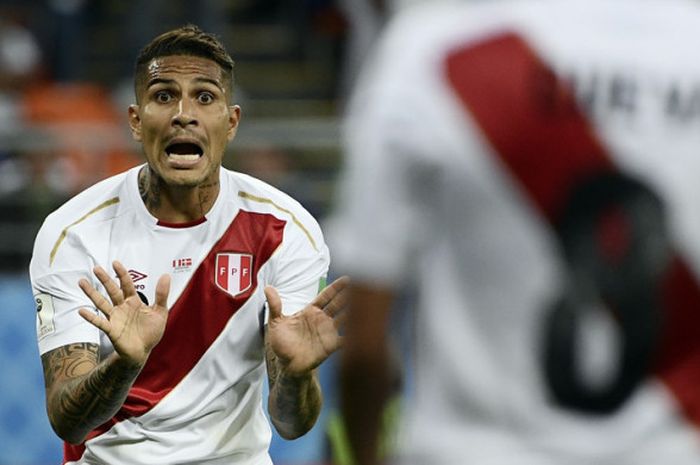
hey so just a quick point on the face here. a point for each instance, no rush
(183, 120)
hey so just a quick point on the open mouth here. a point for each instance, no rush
(184, 151)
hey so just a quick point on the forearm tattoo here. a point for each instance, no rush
(82, 393)
(294, 402)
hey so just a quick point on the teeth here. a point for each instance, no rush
(184, 156)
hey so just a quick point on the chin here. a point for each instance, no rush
(186, 177)
(186, 181)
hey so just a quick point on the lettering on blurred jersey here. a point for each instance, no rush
(619, 95)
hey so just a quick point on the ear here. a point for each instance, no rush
(233, 120)
(135, 122)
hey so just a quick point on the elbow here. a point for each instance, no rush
(74, 440)
(292, 432)
(294, 426)
(68, 435)
(66, 432)
(289, 434)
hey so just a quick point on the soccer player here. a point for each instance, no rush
(166, 292)
(530, 170)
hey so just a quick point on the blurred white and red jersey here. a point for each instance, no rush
(512, 161)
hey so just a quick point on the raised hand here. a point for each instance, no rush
(303, 340)
(133, 327)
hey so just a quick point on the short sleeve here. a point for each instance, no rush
(300, 267)
(58, 263)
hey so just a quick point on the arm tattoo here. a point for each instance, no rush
(68, 362)
(294, 402)
(82, 394)
(272, 367)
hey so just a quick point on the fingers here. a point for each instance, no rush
(332, 299)
(98, 299)
(337, 304)
(162, 291)
(113, 291)
(326, 298)
(127, 285)
(95, 320)
(117, 293)
(339, 320)
(274, 302)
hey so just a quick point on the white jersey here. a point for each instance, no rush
(198, 398)
(468, 133)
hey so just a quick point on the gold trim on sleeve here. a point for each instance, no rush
(64, 233)
(296, 221)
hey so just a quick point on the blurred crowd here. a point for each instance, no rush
(66, 81)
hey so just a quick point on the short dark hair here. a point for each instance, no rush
(185, 40)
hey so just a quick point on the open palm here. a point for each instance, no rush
(305, 339)
(133, 327)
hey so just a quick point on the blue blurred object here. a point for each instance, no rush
(25, 435)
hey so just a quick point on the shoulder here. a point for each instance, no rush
(434, 22)
(254, 195)
(93, 203)
(97, 203)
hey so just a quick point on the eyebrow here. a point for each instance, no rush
(210, 81)
(205, 80)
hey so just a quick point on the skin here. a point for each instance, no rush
(82, 392)
(183, 99)
(366, 369)
(295, 346)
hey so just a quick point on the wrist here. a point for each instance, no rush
(287, 372)
(295, 376)
(128, 363)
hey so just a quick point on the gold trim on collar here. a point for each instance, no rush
(64, 233)
(255, 198)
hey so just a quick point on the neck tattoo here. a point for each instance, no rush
(149, 189)
(205, 195)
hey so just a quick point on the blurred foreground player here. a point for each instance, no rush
(214, 279)
(530, 168)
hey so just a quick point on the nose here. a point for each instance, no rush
(184, 116)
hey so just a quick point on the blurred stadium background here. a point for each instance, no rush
(65, 83)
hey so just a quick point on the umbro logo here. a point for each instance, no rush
(136, 275)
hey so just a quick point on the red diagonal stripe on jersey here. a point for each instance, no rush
(679, 361)
(196, 319)
(533, 124)
(528, 116)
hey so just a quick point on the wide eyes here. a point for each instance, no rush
(164, 96)
(205, 98)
